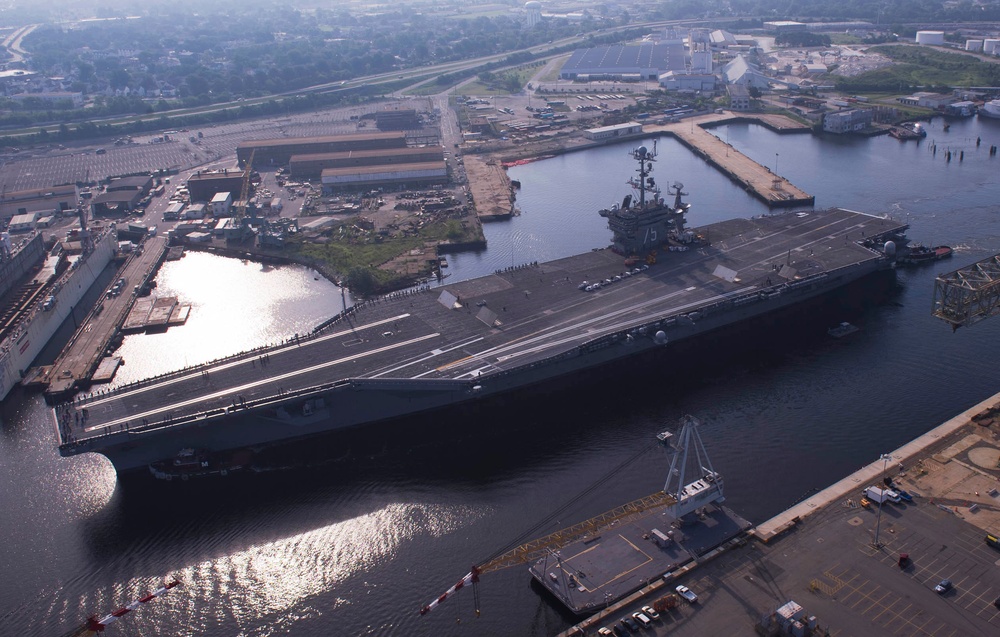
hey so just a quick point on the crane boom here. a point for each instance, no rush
(95, 625)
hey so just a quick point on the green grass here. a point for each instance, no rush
(918, 66)
(343, 254)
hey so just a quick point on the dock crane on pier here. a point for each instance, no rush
(674, 498)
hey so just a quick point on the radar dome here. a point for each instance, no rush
(642, 151)
(533, 5)
(890, 249)
(660, 338)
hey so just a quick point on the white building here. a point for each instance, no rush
(739, 71)
(618, 130)
(221, 203)
(195, 211)
(974, 45)
(693, 82)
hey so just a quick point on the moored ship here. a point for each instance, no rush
(66, 274)
(991, 109)
(519, 330)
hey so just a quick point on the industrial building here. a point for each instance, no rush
(221, 204)
(140, 183)
(609, 132)
(739, 97)
(277, 152)
(56, 198)
(690, 82)
(311, 166)
(636, 62)
(847, 121)
(431, 172)
(397, 119)
(203, 186)
(115, 203)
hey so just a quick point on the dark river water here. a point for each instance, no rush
(357, 547)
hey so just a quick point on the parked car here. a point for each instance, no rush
(904, 496)
(687, 594)
(943, 587)
(629, 624)
(642, 619)
(652, 614)
(604, 632)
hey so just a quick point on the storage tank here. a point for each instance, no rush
(973, 45)
(930, 37)
(991, 46)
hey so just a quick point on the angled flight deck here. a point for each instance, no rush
(436, 347)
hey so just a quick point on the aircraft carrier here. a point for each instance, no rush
(521, 328)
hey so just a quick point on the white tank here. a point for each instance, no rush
(930, 37)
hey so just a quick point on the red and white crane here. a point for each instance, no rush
(95, 625)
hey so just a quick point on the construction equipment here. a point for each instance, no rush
(969, 295)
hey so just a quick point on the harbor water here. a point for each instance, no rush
(357, 546)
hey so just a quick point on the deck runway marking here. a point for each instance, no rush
(233, 391)
(229, 365)
(426, 357)
(543, 336)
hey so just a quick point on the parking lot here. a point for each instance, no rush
(829, 565)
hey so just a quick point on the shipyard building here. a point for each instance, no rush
(43, 200)
(629, 62)
(203, 186)
(415, 174)
(278, 152)
(312, 166)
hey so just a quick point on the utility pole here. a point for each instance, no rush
(885, 458)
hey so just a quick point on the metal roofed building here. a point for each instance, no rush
(277, 152)
(739, 71)
(19, 202)
(312, 165)
(366, 176)
(617, 130)
(684, 81)
(639, 61)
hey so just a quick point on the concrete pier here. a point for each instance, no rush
(82, 355)
(761, 181)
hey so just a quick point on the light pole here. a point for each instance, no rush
(885, 458)
(775, 164)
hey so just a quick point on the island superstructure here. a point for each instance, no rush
(517, 329)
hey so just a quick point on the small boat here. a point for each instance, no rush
(918, 254)
(195, 463)
(842, 330)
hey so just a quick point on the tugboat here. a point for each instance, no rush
(918, 254)
(190, 463)
(644, 223)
